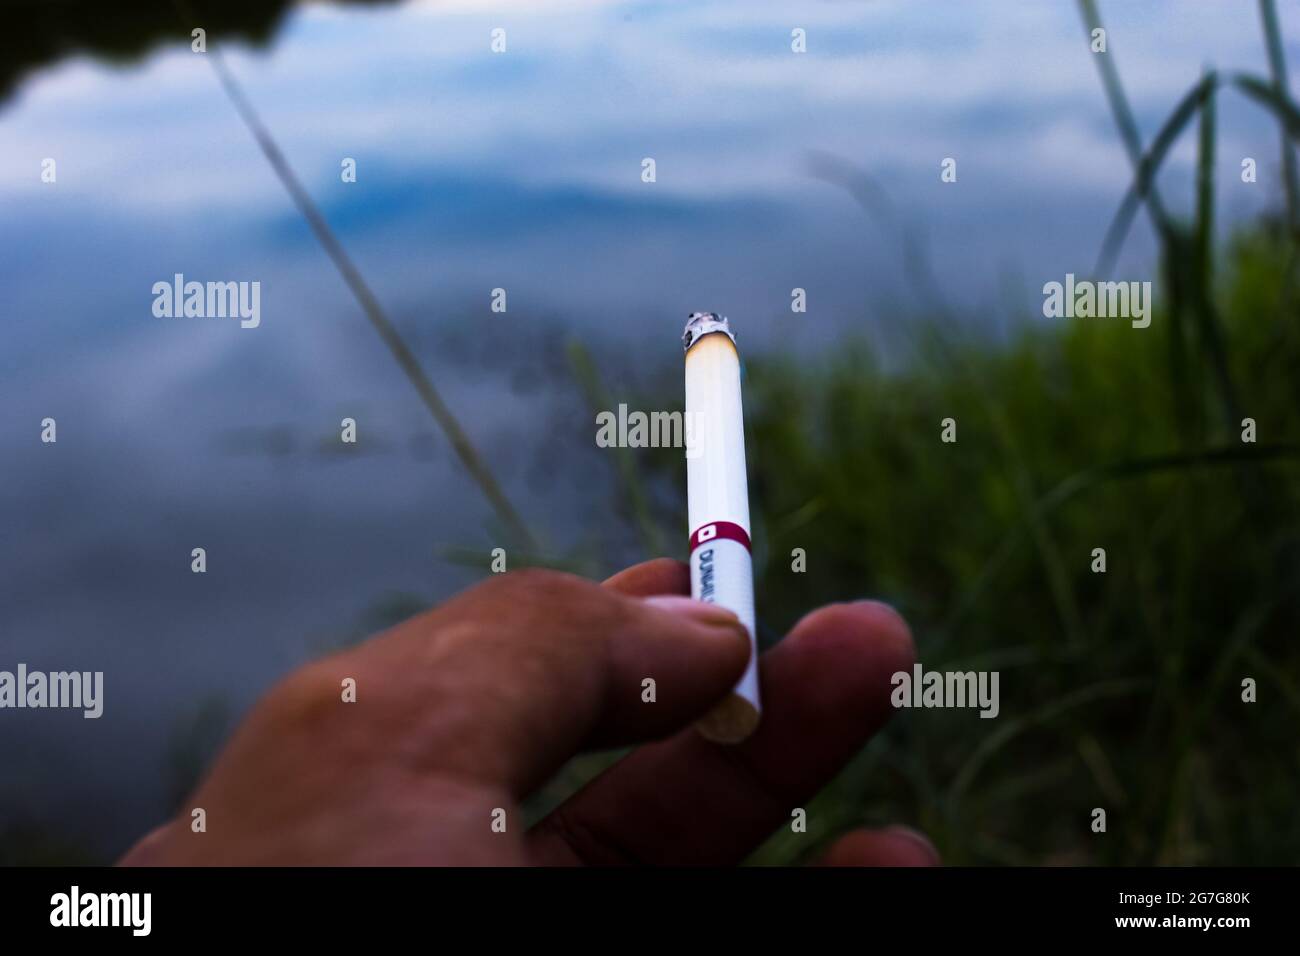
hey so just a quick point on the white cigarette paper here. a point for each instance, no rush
(722, 568)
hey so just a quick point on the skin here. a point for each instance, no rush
(473, 705)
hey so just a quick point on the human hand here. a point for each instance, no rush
(469, 707)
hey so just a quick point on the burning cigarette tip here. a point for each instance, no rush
(700, 324)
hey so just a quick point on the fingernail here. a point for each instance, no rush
(917, 837)
(695, 610)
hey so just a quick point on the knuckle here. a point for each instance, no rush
(534, 588)
(306, 696)
(537, 607)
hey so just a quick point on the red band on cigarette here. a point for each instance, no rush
(720, 529)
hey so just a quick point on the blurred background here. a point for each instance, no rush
(775, 170)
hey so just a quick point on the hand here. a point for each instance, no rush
(469, 707)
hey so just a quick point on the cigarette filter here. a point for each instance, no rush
(722, 568)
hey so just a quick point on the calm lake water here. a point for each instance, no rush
(475, 170)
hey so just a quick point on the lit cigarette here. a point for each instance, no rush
(722, 569)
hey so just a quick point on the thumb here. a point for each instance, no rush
(514, 676)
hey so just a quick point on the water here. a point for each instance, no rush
(478, 171)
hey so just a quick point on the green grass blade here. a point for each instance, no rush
(1013, 727)
(1263, 93)
(1205, 191)
(1277, 67)
(1081, 481)
(1122, 112)
(1149, 165)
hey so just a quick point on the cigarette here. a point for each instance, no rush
(717, 496)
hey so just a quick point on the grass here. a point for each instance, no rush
(1120, 689)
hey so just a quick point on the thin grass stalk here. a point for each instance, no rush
(1123, 114)
(584, 370)
(1277, 69)
(374, 312)
(1079, 482)
(1172, 243)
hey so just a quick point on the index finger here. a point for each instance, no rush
(657, 576)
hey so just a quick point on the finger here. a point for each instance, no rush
(507, 681)
(147, 848)
(825, 691)
(660, 576)
(892, 846)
